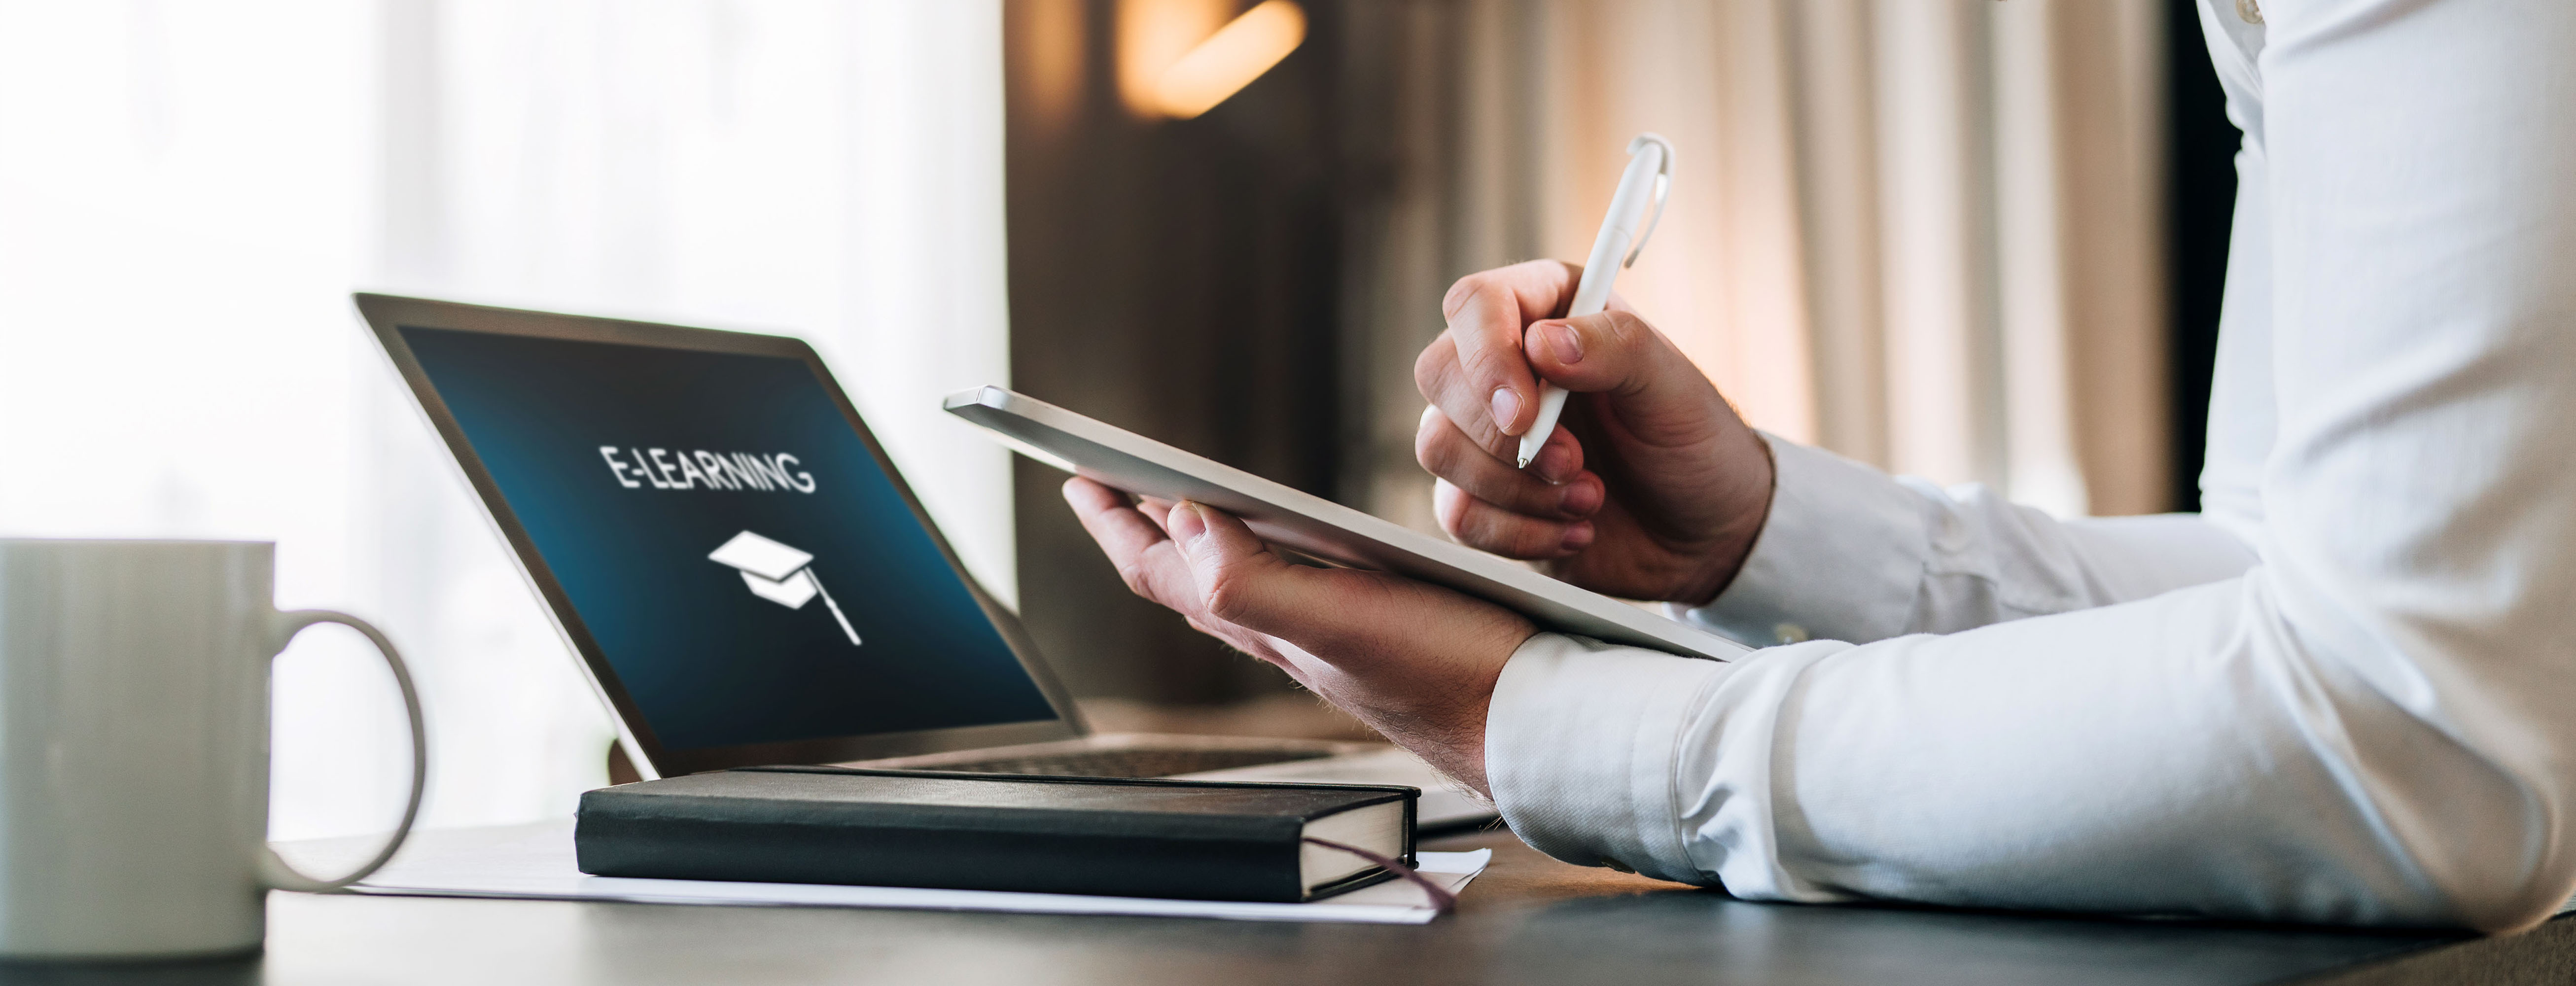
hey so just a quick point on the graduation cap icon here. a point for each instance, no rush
(778, 573)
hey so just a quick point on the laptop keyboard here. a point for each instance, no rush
(1131, 762)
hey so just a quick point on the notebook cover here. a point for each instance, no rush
(1119, 837)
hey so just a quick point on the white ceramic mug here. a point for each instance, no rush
(134, 747)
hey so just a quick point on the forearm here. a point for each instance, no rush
(2198, 761)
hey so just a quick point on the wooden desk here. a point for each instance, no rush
(1529, 919)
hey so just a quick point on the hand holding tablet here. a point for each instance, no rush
(1316, 527)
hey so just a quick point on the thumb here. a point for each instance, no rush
(1240, 580)
(1658, 392)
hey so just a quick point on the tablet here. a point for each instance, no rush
(1316, 527)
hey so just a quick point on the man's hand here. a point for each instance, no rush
(1653, 489)
(1416, 661)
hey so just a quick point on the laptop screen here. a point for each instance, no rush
(728, 541)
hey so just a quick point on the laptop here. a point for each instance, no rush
(747, 579)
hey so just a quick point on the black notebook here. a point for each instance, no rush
(1118, 837)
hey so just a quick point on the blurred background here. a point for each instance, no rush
(1972, 240)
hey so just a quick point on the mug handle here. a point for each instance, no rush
(275, 871)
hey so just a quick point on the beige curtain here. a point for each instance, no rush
(1922, 233)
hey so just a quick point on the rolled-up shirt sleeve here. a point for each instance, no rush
(2359, 716)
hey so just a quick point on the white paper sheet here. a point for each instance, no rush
(537, 862)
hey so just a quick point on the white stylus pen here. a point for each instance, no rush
(1650, 173)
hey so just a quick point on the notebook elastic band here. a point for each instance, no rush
(1441, 899)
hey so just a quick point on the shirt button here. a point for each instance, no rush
(1789, 633)
(1616, 865)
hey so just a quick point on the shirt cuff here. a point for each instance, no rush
(1840, 557)
(1580, 745)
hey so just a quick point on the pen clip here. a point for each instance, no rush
(1663, 190)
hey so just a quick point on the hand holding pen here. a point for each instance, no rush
(1662, 494)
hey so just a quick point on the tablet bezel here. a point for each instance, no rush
(387, 315)
(1316, 527)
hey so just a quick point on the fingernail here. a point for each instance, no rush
(1577, 536)
(1507, 408)
(1568, 347)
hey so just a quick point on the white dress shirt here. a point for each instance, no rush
(2344, 693)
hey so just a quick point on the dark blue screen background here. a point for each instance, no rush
(707, 662)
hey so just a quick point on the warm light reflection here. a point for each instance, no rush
(1154, 34)
(1230, 59)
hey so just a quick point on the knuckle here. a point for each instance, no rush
(1529, 497)
(1528, 542)
(1448, 505)
(1133, 573)
(1476, 362)
(1470, 523)
(1225, 597)
(1480, 528)
(1627, 331)
(1433, 448)
(1504, 533)
(1454, 523)
(1464, 289)
(1430, 367)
